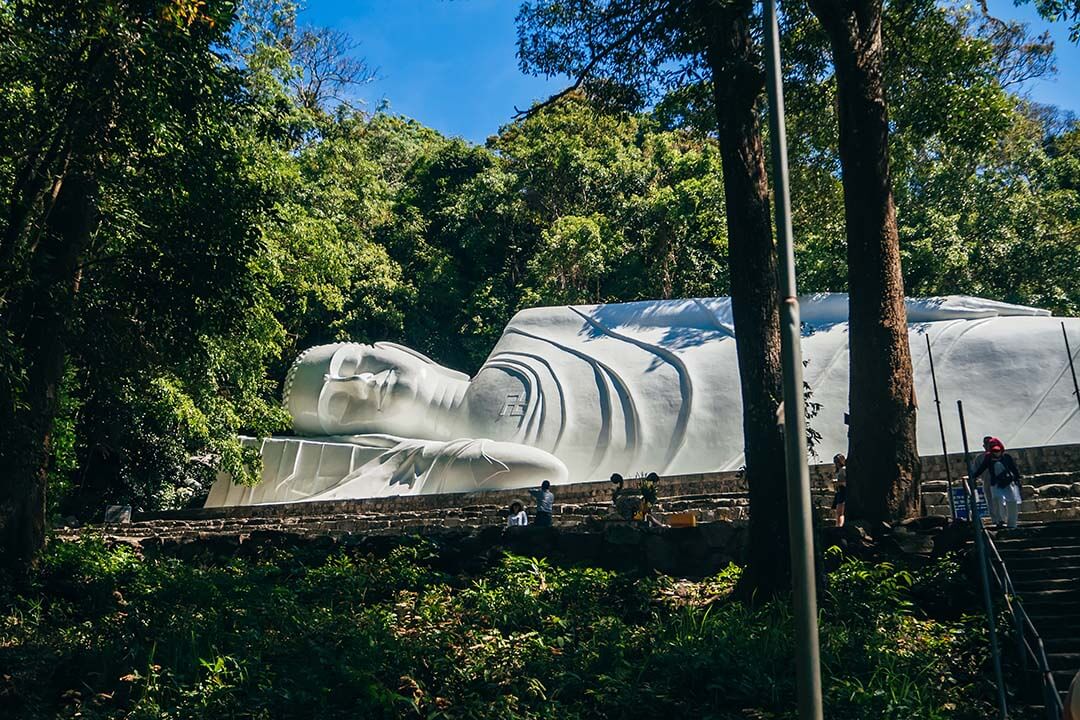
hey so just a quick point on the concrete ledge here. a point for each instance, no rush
(1059, 463)
(705, 484)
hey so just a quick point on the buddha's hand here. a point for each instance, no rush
(393, 466)
(465, 465)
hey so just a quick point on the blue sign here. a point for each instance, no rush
(960, 505)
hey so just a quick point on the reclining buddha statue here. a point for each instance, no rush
(574, 393)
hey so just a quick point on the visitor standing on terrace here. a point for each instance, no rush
(839, 502)
(545, 500)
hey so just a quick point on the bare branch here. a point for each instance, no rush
(329, 66)
(594, 61)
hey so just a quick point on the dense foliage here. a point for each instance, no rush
(106, 633)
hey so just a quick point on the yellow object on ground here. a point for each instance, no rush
(686, 519)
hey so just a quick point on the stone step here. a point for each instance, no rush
(1063, 528)
(1036, 511)
(1047, 620)
(1049, 623)
(1023, 573)
(1069, 644)
(1026, 585)
(1053, 515)
(1021, 557)
(1018, 567)
(1062, 678)
(1062, 601)
(1064, 660)
(1050, 490)
(1028, 536)
(1065, 594)
(1043, 503)
(1067, 559)
(1026, 546)
(1042, 605)
(1028, 496)
(1027, 560)
(1063, 477)
(1055, 528)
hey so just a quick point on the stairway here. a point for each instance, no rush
(1043, 560)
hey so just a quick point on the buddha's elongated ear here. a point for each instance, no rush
(304, 383)
(441, 369)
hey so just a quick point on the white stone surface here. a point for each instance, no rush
(572, 394)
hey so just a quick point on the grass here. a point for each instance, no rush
(106, 633)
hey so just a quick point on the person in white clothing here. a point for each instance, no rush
(1005, 478)
(517, 516)
(987, 481)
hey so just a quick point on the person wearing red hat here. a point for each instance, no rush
(1005, 481)
(987, 481)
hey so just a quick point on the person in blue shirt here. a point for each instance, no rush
(545, 499)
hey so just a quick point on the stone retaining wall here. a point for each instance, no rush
(1051, 491)
(712, 496)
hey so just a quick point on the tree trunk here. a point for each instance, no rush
(737, 88)
(46, 309)
(883, 467)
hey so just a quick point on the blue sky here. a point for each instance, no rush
(451, 64)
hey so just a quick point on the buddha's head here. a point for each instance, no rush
(350, 388)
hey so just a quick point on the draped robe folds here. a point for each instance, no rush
(575, 393)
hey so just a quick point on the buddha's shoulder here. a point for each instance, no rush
(680, 312)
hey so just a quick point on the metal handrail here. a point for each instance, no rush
(1052, 702)
(1024, 627)
(1022, 622)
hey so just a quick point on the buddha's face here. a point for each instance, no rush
(353, 388)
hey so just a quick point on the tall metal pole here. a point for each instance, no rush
(800, 512)
(941, 426)
(1072, 368)
(984, 573)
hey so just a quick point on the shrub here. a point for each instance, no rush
(343, 634)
